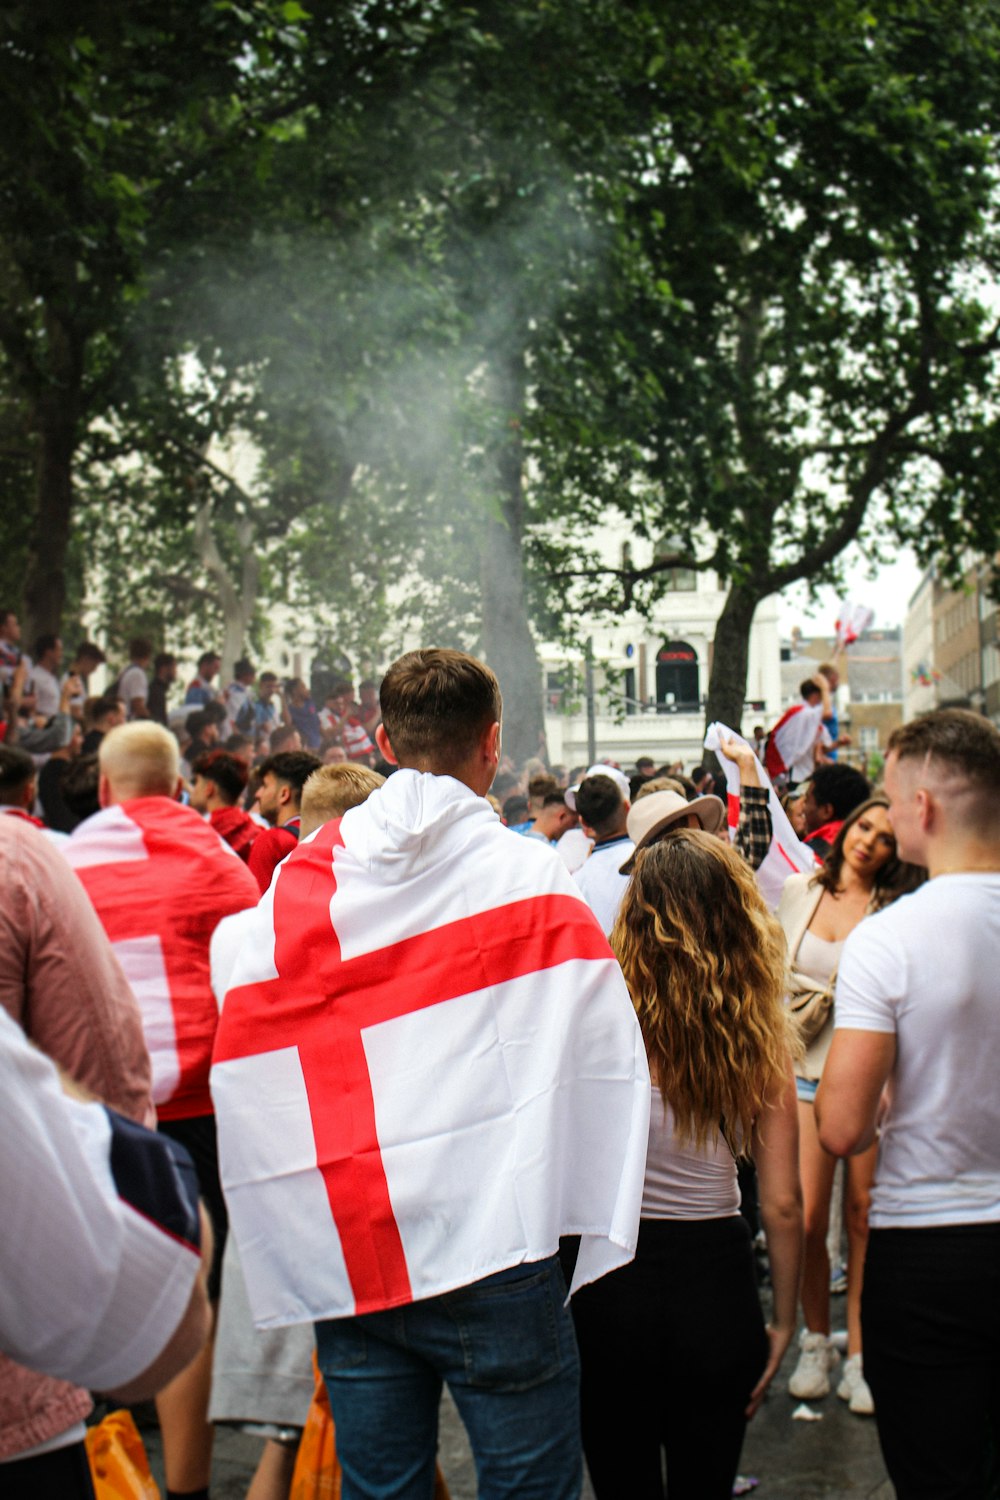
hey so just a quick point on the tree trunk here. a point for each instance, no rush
(56, 422)
(731, 655)
(237, 598)
(508, 644)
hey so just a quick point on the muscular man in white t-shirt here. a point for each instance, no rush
(917, 1041)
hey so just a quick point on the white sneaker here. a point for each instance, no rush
(812, 1373)
(855, 1390)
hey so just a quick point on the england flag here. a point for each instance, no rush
(161, 880)
(427, 1068)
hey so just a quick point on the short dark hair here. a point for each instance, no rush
(140, 646)
(843, 788)
(244, 668)
(267, 677)
(554, 799)
(436, 705)
(280, 734)
(963, 741)
(215, 712)
(164, 659)
(206, 657)
(807, 687)
(16, 769)
(599, 802)
(92, 651)
(967, 745)
(45, 643)
(229, 774)
(541, 786)
(196, 721)
(79, 786)
(293, 767)
(515, 808)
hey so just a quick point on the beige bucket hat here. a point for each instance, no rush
(651, 816)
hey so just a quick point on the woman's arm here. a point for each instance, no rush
(775, 1150)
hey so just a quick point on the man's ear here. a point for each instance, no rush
(382, 741)
(178, 789)
(104, 791)
(491, 743)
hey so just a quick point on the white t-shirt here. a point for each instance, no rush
(925, 970)
(133, 683)
(601, 881)
(47, 691)
(94, 1287)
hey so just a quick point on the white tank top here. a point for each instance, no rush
(683, 1181)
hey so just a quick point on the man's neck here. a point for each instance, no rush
(964, 857)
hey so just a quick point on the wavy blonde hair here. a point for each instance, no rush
(705, 964)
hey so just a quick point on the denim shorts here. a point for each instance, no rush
(805, 1089)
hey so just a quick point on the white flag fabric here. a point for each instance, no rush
(790, 744)
(853, 619)
(427, 1068)
(788, 855)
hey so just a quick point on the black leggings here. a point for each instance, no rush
(930, 1315)
(671, 1347)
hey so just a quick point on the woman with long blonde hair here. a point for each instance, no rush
(675, 1356)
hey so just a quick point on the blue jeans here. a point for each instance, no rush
(507, 1350)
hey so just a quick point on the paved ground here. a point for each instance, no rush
(837, 1458)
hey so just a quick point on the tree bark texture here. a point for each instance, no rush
(56, 421)
(731, 656)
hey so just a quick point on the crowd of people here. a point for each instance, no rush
(369, 1038)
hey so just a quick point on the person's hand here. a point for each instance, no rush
(743, 757)
(778, 1340)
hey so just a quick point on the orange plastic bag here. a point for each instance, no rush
(317, 1471)
(118, 1462)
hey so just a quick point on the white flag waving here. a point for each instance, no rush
(853, 619)
(787, 855)
(427, 1068)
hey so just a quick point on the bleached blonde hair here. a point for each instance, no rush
(331, 790)
(140, 759)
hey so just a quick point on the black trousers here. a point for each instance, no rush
(670, 1348)
(930, 1314)
(61, 1475)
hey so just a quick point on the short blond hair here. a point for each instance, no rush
(331, 790)
(140, 759)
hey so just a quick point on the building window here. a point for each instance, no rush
(868, 738)
(676, 677)
(675, 580)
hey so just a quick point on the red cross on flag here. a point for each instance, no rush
(427, 1068)
(161, 880)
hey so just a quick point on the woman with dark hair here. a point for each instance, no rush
(674, 1353)
(861, 874)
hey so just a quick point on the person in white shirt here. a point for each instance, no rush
(603, 811)
(45, 675)
(100, 1254)
(917, 1048)
(133, 684)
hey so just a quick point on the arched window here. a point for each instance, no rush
(676, 677)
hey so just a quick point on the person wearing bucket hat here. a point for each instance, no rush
(663, 812)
